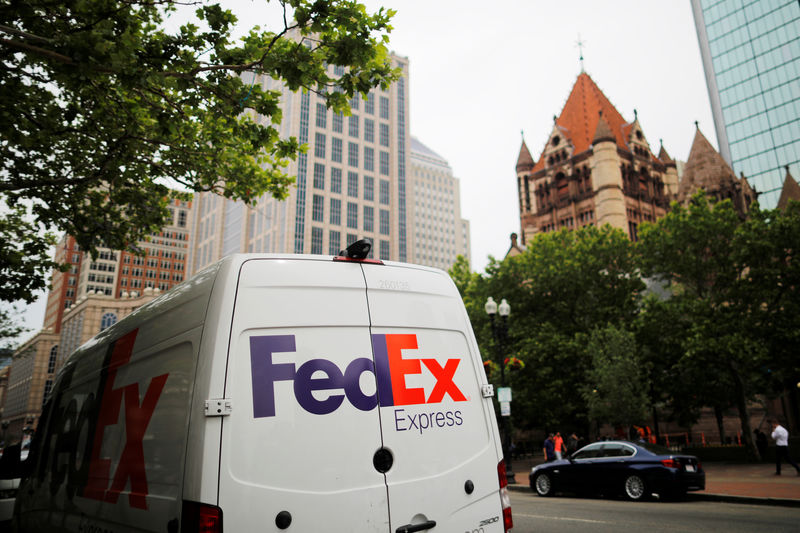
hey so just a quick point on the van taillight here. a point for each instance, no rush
(505, 500)
(201, 518)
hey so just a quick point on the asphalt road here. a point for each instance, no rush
(534, 514)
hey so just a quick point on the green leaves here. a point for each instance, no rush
(100, 107)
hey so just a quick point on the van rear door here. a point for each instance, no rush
(435, 422)
(298, 445)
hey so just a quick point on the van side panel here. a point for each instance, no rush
(433, 415)
(112, 453)
(304, 427)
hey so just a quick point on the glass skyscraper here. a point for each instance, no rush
(751, 56)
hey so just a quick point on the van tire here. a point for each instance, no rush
(543, 485)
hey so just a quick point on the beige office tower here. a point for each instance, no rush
(351, 184)
(440, 234)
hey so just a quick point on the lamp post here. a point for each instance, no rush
(500, 334)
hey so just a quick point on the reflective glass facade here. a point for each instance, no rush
(751, 56)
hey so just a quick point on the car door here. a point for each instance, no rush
(298, 445)
(579, 473)
(435, 421)
(612, 467)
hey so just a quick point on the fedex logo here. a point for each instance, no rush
(390, 370)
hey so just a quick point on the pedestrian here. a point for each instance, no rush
(549, 449)
(781, 437)
(572, 443)
(558, 444)
(761, 443)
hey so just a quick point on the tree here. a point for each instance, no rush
(101, 107)
(698, 249)
(617, 388)
(561, 288)
(9, 329)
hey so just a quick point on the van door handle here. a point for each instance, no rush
(411, 528)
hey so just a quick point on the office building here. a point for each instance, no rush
(751, 57)
(351, 184)
(440, 234)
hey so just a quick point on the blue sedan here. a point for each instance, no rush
(635, 470)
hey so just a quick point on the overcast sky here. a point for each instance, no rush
(482, 72)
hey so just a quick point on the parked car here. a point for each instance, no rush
(9, 486)
(635, 470)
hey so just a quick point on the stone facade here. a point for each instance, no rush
(595, 168)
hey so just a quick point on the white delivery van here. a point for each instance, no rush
(275, 393)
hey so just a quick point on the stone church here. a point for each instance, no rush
(598, 168)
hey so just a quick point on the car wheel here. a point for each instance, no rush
(543, 485)
(635, 488)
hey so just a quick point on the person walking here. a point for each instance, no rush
(549, 449)
(572, 443)
(558, 444)
(781, 437)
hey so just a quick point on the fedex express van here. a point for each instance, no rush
(275, 393)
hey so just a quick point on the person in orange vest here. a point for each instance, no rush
(558, 444)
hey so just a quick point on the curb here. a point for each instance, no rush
(750, 500)
(702, 496)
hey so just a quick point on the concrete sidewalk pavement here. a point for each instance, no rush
(740, 483)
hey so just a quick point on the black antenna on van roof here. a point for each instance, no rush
(358, 250)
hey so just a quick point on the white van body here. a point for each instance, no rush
(263, 388)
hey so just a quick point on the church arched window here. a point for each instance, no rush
(108, 320)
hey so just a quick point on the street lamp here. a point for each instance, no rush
(500, 334)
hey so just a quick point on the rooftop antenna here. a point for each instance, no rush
(580, 44)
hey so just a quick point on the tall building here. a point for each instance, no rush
(351, 184)
(751, 57)
(440, 234)
(595, 168)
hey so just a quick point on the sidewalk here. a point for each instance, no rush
(739, 483)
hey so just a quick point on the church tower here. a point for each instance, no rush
(596, 168)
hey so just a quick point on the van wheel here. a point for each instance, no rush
(543, 485)
(635, 488)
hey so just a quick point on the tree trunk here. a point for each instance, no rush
(720, 423)
(741, 404)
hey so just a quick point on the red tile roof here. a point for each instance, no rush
(581, 113)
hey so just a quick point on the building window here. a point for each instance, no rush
(384, 192)
(351, 238)
(369, 218)
(369, 158)
(352, 184)
(319, 176)
(384, 134)
(384, 250)
(316, 240)
(108, 320)
(369, 188)
(336, 149)
(177, 277)
(319, 145)
(352, 154)
(369, 104)
(48, 387)
(334, 242)
(182, 218)
(354, 101)
(369, 130)
(322, 115)
(384, 107)
(352, 215)
(384, 222)
(352, 128)
(337, 122)
(317, 209)
(336, 211)
(336, 179)
(385, 163)
(51, 363)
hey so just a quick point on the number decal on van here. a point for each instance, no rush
(390, 369)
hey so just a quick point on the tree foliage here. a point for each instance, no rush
(101, 107)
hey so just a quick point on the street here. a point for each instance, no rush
(532, 513)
